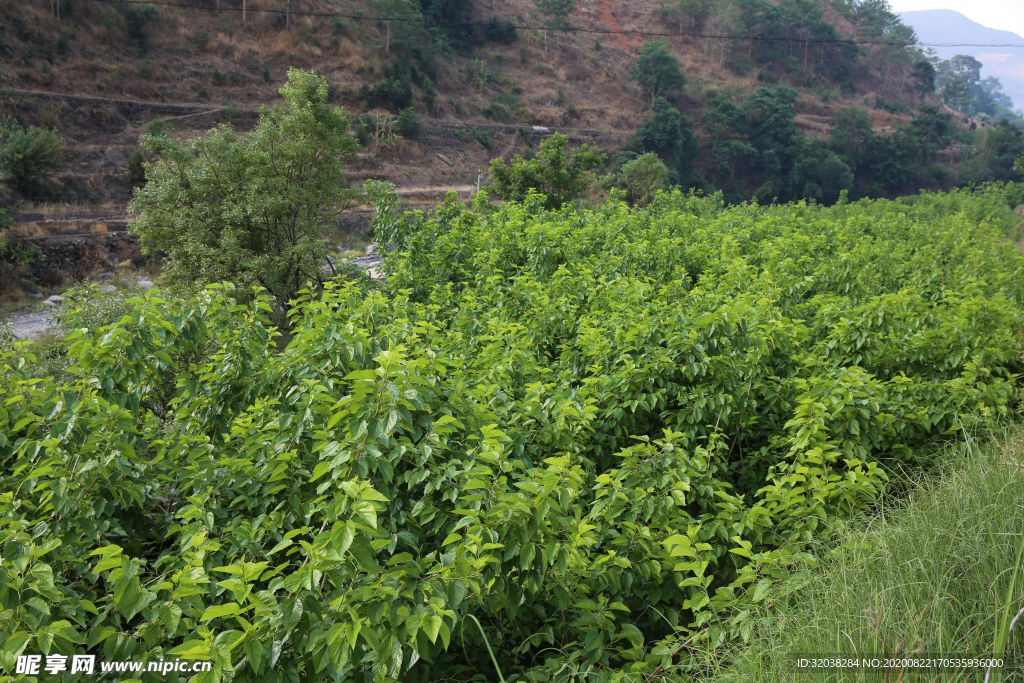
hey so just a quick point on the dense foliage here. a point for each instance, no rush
(642, 178)
(958, 81)
(28, 157)
(599, 436)
(557, 172)
(656, 70)
(751, 147)
(253, 209)
(797, 37)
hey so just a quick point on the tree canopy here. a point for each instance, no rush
(252, 209)
(28, 157)
(657, 70)
(560, 175)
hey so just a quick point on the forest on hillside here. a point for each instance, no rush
(745, 131)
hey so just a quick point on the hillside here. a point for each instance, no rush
(946, 26)
(472, 67)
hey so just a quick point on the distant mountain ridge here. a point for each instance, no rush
(948, 26)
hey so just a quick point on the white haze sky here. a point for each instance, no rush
(1003, 14)
(1006, 15)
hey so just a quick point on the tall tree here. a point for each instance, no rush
(669, 134)
(556, 15)
(851, 135)
(725, 125)
(657, 70)
(254, 209)
(923, 75)
(404, 11)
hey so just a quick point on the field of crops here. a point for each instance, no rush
(551, 447)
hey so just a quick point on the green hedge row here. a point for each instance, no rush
(599, 438)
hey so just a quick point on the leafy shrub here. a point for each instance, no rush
(501, 31)
(135, 19)
(1014, 194)
(158, 127)
(620, 159)
(643, 178)
(408, 124)
(16, 259)
(668, 133)
(361, 132)
(392, 92)
(497, 112)
(85, 307)
(137, 168)
(740, 63)
(558, 175)
(28, 157)
(483, 137)
(604, 436)
(63, 46)
(253, 209)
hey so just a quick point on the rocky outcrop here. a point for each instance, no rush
(75, 258)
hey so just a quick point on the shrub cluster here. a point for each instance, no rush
(600, 437)
(28, 157)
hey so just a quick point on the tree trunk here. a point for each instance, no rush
(244, 18)
(387, 44)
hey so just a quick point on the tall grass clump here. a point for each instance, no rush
(935, 571)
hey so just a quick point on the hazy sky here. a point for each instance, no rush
(1006, 15)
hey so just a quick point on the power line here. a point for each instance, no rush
(471, 24)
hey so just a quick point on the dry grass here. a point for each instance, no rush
(71, 210)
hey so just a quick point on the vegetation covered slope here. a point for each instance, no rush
(466, 61)
(601, 437)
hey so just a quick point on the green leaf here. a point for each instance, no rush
(759, 591)
(216, 611)
(191, 649)
(593, 640)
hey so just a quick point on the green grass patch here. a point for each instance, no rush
(930, 573)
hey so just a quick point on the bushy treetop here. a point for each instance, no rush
(559, 175)
(657, 70)
(252, 209)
